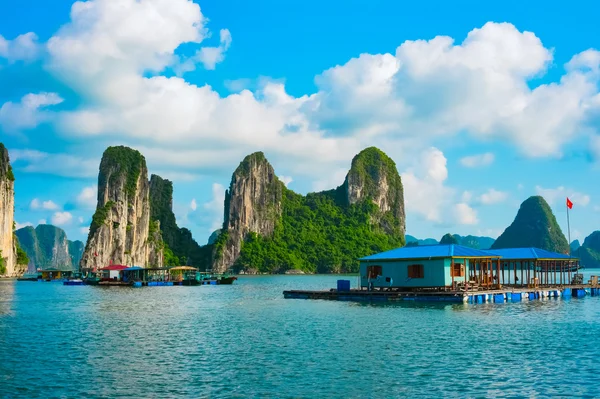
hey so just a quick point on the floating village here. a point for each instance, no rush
(132, 276)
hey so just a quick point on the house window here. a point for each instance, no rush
(415, 271)
(374, 271)
(458, 270)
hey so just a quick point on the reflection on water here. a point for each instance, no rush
(246, 340)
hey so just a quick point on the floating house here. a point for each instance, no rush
(428, 267)
(54, 274)
(112, 272)
(460, 274)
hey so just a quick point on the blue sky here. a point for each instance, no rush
(480, 105)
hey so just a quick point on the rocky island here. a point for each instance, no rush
(270, 228)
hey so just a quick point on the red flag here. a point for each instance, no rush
(569, 203)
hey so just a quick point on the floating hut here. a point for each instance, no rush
(112, 272)
(460, 274)
(52, 274)
(429, 267)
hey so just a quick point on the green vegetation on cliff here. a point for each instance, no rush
(100, 217)
(449, 239)
(327, 232)
(2, 264)
(5, 168)
(316, 234)
(125, 161)
(589, 252)
(534, 226)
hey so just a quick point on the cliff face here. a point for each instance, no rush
(589, 252)
(269, 228)
(252, 204)
(8, 250)
(120, 229)
(534, 226)
(47, 246)
(373, 176)
(180, 247)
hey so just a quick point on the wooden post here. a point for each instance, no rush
(521, 273)
(452, 271)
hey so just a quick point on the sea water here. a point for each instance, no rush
(246, 340)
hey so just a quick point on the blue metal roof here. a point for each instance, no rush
(133, 268)
(430, 251)
(526, 253)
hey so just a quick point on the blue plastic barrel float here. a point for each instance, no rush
(343, 285)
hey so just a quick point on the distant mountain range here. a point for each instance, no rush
(468, 241)
(47, 246)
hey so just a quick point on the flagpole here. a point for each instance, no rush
(569, 230)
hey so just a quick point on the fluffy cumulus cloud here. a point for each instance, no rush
(473, 161)
(37, 204)
(464, 214)
(62, 218)
(215, 207)
(558, 196)
(34, 161)
(492, 196)
(29, 112)
(427, 194)
(120, 66)
(22, 48)
(210, 56)
(87, 198)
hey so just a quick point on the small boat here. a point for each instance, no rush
(75, 281)
(226, 279)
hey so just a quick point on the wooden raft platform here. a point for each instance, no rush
(501, 295)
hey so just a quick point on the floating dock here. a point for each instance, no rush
(497, 296)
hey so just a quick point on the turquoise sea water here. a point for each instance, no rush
(246, 340)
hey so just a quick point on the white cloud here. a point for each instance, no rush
(215, 207)
(21, 225)
(520, 186)
(467, 196)
(36, 204)
(330, 180)
(424, 189)
(480, 87)
(80, 219)
(492, 196)
(84, 230)
(61, 218)
(211, 56)
(29, 112)
(558, 196)
(59, 164)
(193, 204)
(23, 48)
(49, 205)
(465, 214)
(286, 180)
(477, 160)
(426, 192)
(42, 221)
(88, 197)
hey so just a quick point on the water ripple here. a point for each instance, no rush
(246, 341)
